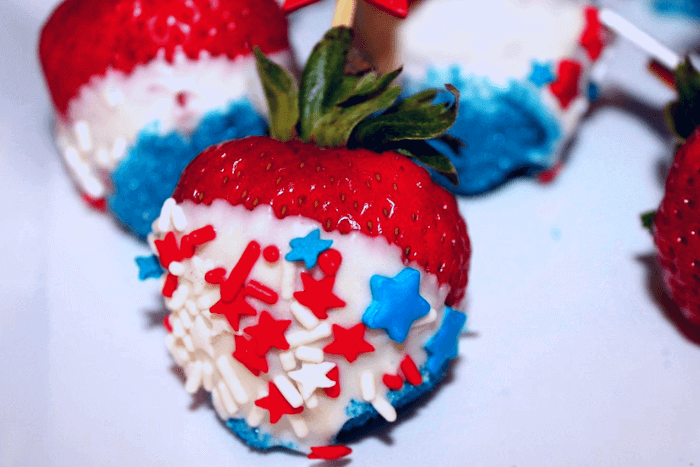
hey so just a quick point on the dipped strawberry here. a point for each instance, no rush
(315, 284)
(676, 224)
(140, 88)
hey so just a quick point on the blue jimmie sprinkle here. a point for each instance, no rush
(149, 267)
(151, 169)
(508, 130)
(593, 91)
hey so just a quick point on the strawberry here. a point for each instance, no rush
(676, 223)
(330, 258)
(84, 38)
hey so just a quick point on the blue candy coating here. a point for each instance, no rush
(508, 130)
(254, 438)
(683, 7)
(149, 173)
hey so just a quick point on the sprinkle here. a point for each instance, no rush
(82, 134)
(119, 149)
(271, 253)
(185, 318)
(298, 425)
(565, 88)
(410, 371)
(231, 286)
(187, 249)
(288, 390)
(203, 235)
(297, 338)
(167, 249)
(164, 219)
(367, 386)
(329, 452)
(309, 354)
(169, 286)
(329, 261)
(318, 296)
(308, 248)
(178, 217)
(288, 361)
(430, 318)
(349, 343)
(113, 96)
(149, 267)
(176, 268)
(227, 399)
(72, 158)
(268, 333)
(304, 315)
(247, 353)
(207, 376)
(233, 311)
(444, 345)
(166, 323)
(385, 409)
(312, 402)
(103, 157)
(289, 272)
(187, 342)
(312, 376)
(201, 336)
(276, 404)
(204, 302)
(218, 404)
(263, 293)
(256, 414)
(191, 308)
(333, 391)
(396, 303)
(194, 377)
(223, 363)
(393, 382)
(215, 276)
(179, 296)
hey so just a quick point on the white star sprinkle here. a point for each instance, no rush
(312, 376)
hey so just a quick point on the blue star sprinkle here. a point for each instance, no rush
(308, 248)
(541, 74)
(396, 303)
(444, 345)
(149, 267)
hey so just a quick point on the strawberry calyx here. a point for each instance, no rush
(334, 107)
(683, 114)
(647, 219)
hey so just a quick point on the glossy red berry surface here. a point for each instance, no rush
(677, 227)
(344, 190)
(84, 38)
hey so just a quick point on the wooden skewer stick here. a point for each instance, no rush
(344, 13)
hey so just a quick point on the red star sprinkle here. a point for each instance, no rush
(349, 343)
(565, 88)
(318, 295)
(410, 371)
(333, 391)
(329, 452)
(99, 204)
(394, 382)
(268, 333)
(233, 310)
(329, 261)
(247, 353)
(170, 285)
(168, 250)
(276, 404)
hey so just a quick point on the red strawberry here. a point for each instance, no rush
(344, 190)
(83, 38)
(677, 230)
(676, 224)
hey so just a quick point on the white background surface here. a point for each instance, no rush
(572, 361)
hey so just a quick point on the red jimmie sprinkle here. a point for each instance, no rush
(263, 293)
(271, 253)
(329, 261)
(410, 371)
(186, 247)
(333, 375)
(215, 276)
(170, 285)
(329, 452)
(394, 382)
(203, 235)
(166, 323)
(240, 272)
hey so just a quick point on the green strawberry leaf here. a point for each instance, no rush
(335, 127)
(425, 154)
(648, 220)
(282, 97)
(416, 119)
(323, 81)
(683, 115)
